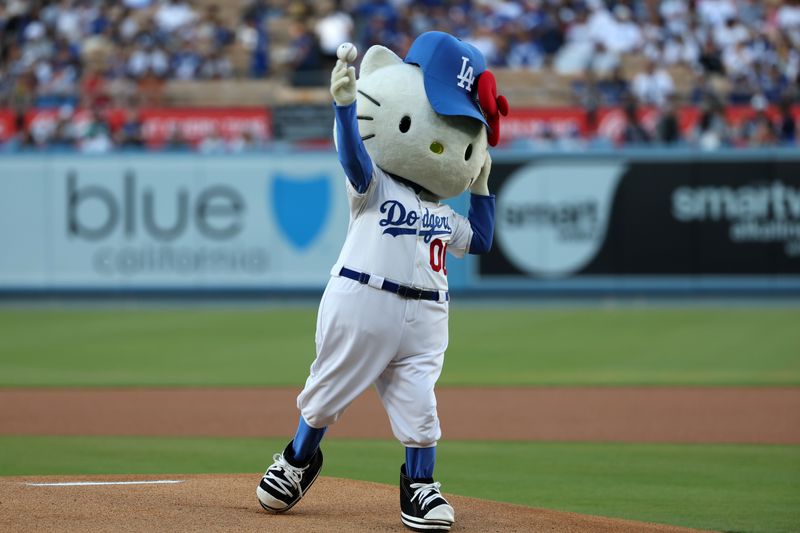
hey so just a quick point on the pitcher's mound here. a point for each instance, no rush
(228, 503)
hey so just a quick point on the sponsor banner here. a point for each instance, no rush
(303, 123)
(7, 124)
(158, 125)
(610, 122)
(170, 221)
(161, 125)
(538, 123)
(314, 123)
(551, 221)
(561, 218)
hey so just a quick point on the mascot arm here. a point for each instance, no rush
(481, 211)
(481, 219)
(352, 154)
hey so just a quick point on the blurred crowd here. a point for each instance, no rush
(707, 127)
(95, 53)
(88, 52)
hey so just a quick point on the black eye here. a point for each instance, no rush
(468, 153)
(405, 123)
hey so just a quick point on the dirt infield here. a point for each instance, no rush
(701, 415)
(228, 503)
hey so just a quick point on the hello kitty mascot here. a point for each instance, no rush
(409, 133)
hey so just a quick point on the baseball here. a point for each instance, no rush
(347, 52)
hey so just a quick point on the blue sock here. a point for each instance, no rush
(420, 462)
(306, 441)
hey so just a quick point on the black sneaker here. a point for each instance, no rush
(422, 506)
(285, 483)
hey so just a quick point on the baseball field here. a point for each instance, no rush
(599, 418)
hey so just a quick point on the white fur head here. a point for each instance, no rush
(404, 136)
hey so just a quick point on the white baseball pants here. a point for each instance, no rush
(365, 336)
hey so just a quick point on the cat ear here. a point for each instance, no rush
(376, 58)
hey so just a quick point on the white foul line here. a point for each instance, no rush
(91, 483)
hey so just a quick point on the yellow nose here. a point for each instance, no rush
(437, 147)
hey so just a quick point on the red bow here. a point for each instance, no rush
(491, 104)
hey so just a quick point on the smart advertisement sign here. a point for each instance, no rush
(691, 217)
(170, 221)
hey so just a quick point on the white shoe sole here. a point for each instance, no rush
(422, 524)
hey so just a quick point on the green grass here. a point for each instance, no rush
(722, 487)
(487, 347)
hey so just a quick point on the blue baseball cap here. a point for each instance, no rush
(450, 69)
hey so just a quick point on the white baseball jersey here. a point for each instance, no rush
(393, 234)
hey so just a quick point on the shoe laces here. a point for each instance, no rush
(426, 492)
(293, 476)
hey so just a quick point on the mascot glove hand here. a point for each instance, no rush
(481, 184)
(343, 84)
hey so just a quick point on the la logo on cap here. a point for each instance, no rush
(466, 77)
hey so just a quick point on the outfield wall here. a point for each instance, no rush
(617, 222)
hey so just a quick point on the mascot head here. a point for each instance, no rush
(429, 118)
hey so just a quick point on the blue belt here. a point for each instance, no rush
(403, 291)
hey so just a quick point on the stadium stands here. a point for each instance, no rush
(593, 54)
